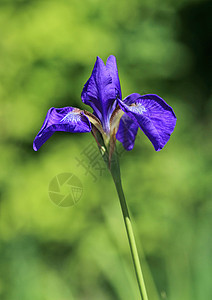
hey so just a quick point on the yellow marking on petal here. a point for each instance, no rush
(138, 108)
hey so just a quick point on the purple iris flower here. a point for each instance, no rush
(113, 117)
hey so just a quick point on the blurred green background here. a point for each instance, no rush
(47, 52)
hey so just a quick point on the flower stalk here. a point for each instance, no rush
(115, 172)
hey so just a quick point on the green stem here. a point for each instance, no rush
(115, 171)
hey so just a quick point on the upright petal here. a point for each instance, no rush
(127, 132)
(67, 119)
(113, 71)
(153, 115)
(100, 93)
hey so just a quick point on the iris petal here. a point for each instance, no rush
(153, 115)
(67, 119)
(127, 132)
(113, 71)
(100, 92)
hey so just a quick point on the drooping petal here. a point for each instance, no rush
(127, 132)
(113, 71)
(153, 115)
(100, 93)
(67, 119)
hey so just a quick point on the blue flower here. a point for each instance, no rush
(112, 117)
